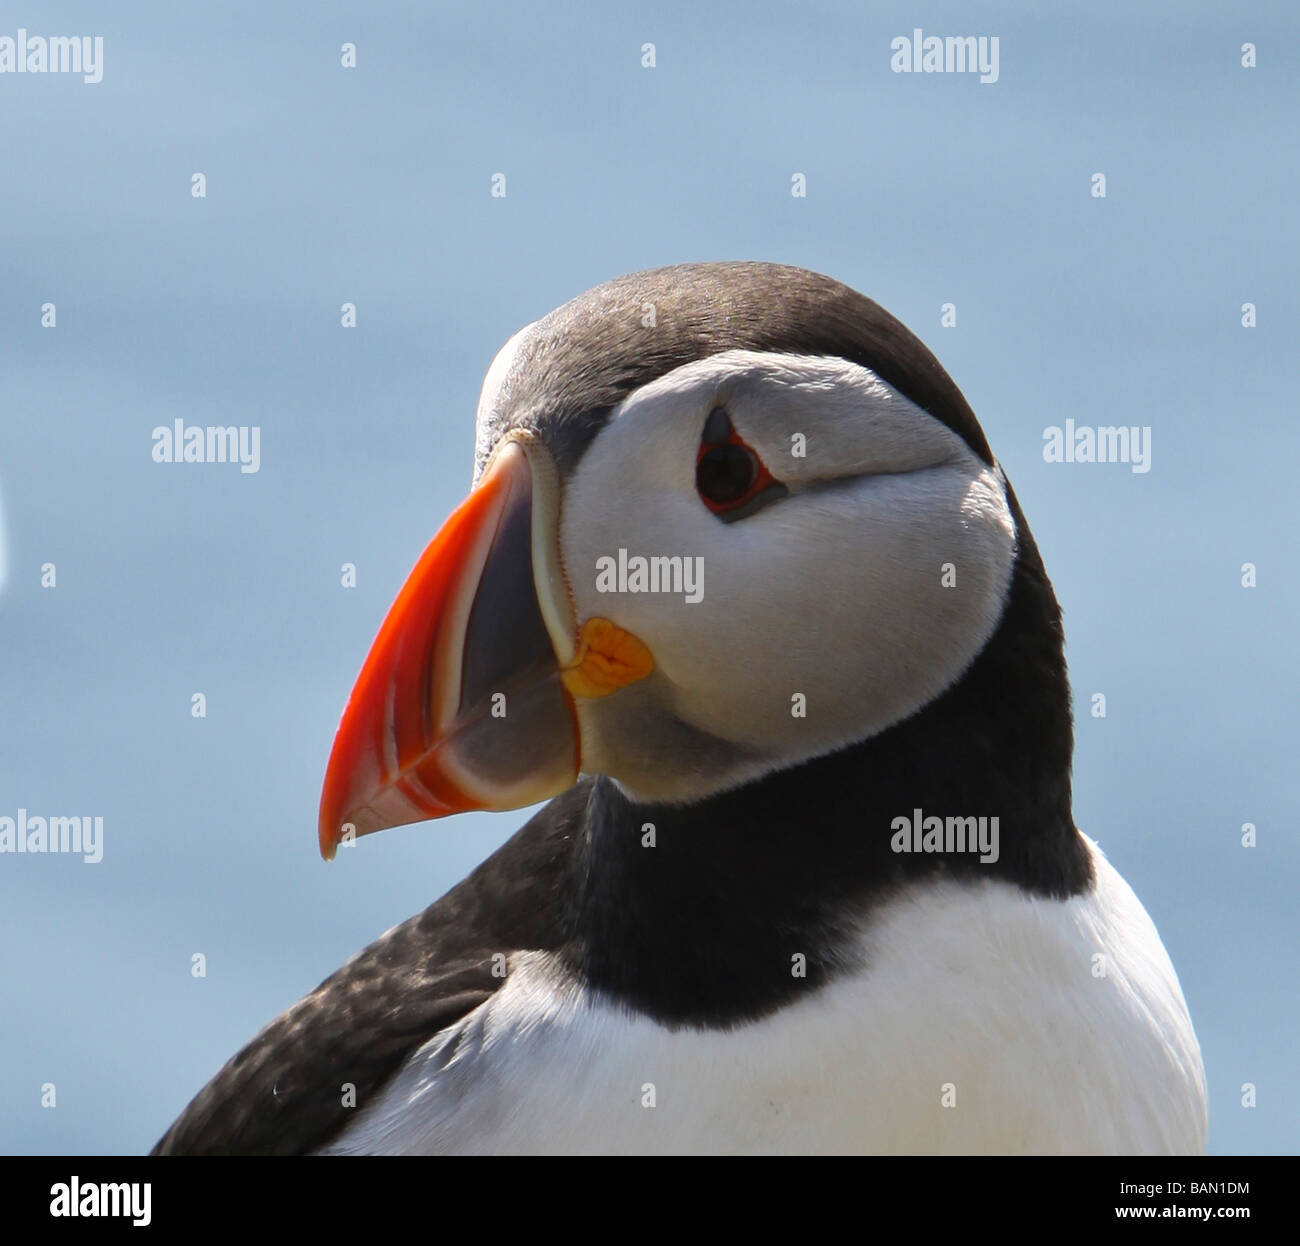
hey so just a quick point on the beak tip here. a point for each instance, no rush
(330, 818)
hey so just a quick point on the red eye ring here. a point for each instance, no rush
(730, 478)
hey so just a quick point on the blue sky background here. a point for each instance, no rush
(371, 185)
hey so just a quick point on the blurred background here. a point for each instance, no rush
(372, 185)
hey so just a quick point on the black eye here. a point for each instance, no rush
(729, 477)
(725, 473)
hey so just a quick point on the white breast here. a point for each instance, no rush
(986, 1022)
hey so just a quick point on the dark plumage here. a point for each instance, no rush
(585, 357)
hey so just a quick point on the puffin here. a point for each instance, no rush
(742, 593)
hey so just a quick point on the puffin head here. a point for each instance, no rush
(725, 518)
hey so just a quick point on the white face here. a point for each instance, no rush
(824, 616)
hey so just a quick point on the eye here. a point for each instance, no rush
(731, 479)
(725, 473)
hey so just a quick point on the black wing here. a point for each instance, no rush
(283, 1094)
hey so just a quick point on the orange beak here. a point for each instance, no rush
(461, 703)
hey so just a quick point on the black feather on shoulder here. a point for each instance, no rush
(283, 1093)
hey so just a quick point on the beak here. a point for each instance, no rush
(462, 702)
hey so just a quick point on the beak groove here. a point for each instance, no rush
(461, 703)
